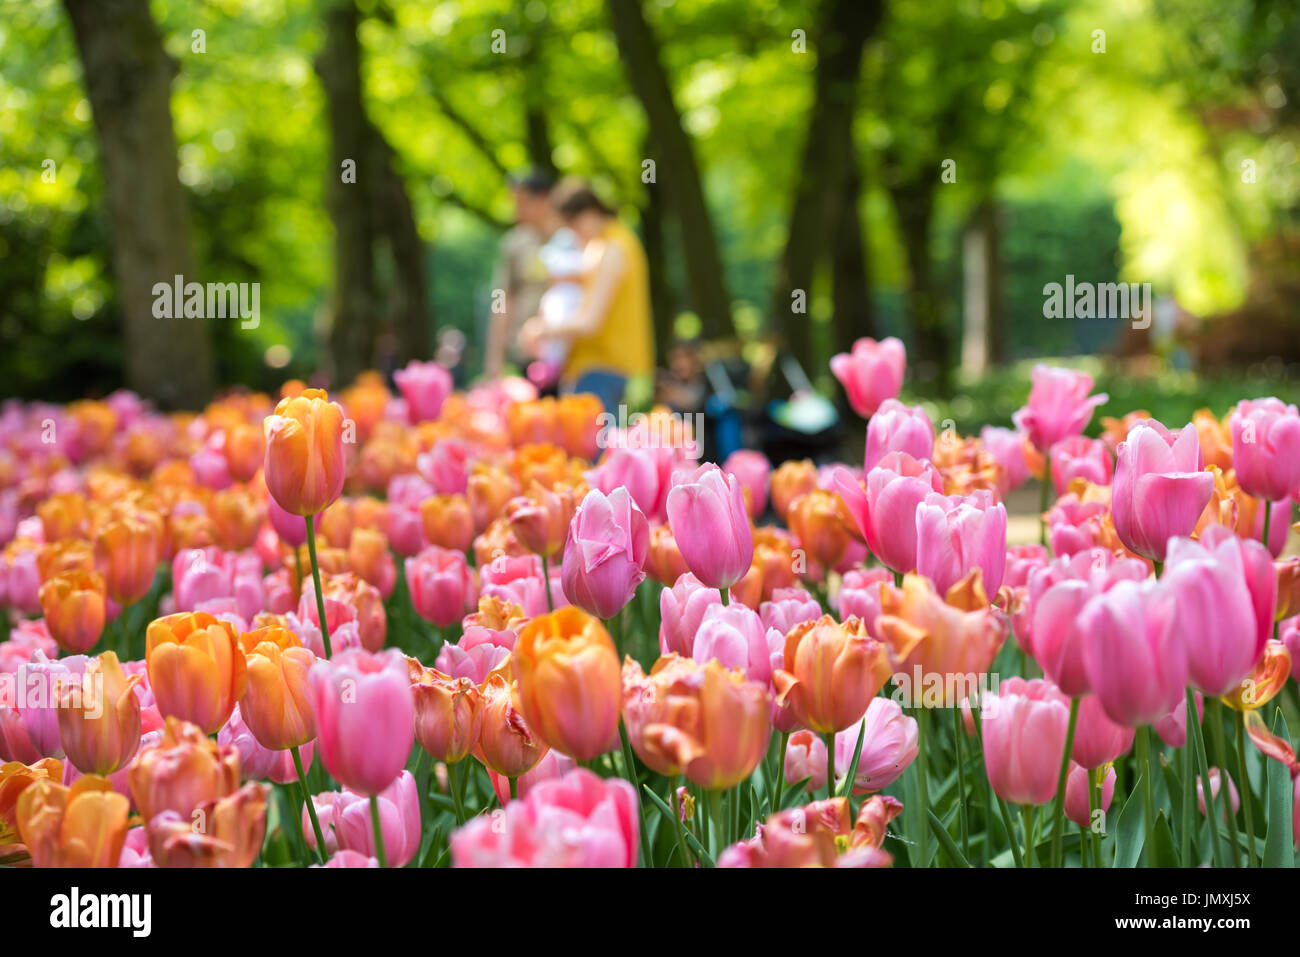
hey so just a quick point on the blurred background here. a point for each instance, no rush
(801, 173)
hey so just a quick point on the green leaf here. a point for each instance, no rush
(691, 840)
(1129, 828)
(945, 840)
(796, 794)
(847, 790)
(1163, 853)
(1279, 849)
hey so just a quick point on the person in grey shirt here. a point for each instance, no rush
(520, 273)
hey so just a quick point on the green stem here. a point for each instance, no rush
(829, 738)
(1027, 822)
(546, 581)
(1194, 728)
(922, 782)
(726, 595)
(629, 771)
(311, 807)
(1214, 709)
(514, 789)
(780, 772)
(1243, 786)
(1058, 830)
(380, 853)
(1148, 787)
(1042, 496)
(717, 825)
(315, 577)
(1095, 795)
(453, 785)
(958, 734)
(1268, 518)
(1189, 792)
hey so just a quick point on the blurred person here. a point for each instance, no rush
(609, 336)
(520, 272)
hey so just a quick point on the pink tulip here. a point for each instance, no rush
(445, 466)
(200, 575)
(1008, 449)
(1266, 448)
(789, 607)
(1216, 784)
(1056, 595)
(479, 650)
(349, 859)
(1097, 739)
(898, 428)
(605, 553)
(889, 745)
(1134, 656)
(23, 581)
(291, 528)
(886, 512)
(36, 693)
(736, 637)
(1024, 738)
(753, 470)
(681, 610)
(706, 511)
(346, 823)
(553, 765)
(365, 715)
(871, 373)
(1077, 807)
(1225, 590)
(805, 757)
(1172, 728)
(860, 594)
(210, 468)
(579, 820)
(1074, 525)
(1059, 405)
(1080, 457)
(1022, 561)
(424, 386)
(441, 584)
(1160, 487)
(645, 473)
(955, 535)
(257, 762)
(517, 578)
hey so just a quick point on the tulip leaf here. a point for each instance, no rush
(1278, 845)
(795, 795)
(691, 840)
(945, 840)
(1162, 853)
(851, 779)
(1130, 829)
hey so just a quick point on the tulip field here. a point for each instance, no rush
(412, 626)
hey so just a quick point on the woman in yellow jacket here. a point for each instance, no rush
(610, 334)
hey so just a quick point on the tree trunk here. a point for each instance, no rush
(931, 345)
(828, 159)
(128, 79)
(381, 316)
(854, 312)
(663, 311)
(677, 170)
(982, 340)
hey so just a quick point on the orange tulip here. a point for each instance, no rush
(74, 608)
(15, 778)
(447, 521)
(181, 771)
(1264, 682)
(705, 721)
(531, 421)
(336, 524)
(448, 712)
(70, 554)
(815, 519)
(277, 704)
(196, 668)
(371, 561)
(237, 516)
(1216, 439)
(543, 463)
(506, 744)
(577, 420)
(664, 562)
(127, 552)
(305, 463)
(831, 673)
(568, 674)
(956, 635)
(64, 515)
(226, 832)
(1288, 587)
(540, 518)
(245, 450)
(497, 540)
(79, 826)
(99, 720)
(489, 488)
(789, 481)
(364, 598)
(498, 614)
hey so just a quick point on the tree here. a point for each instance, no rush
(375, 322)
(824, 218)
(128, 79)
(677, 169)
